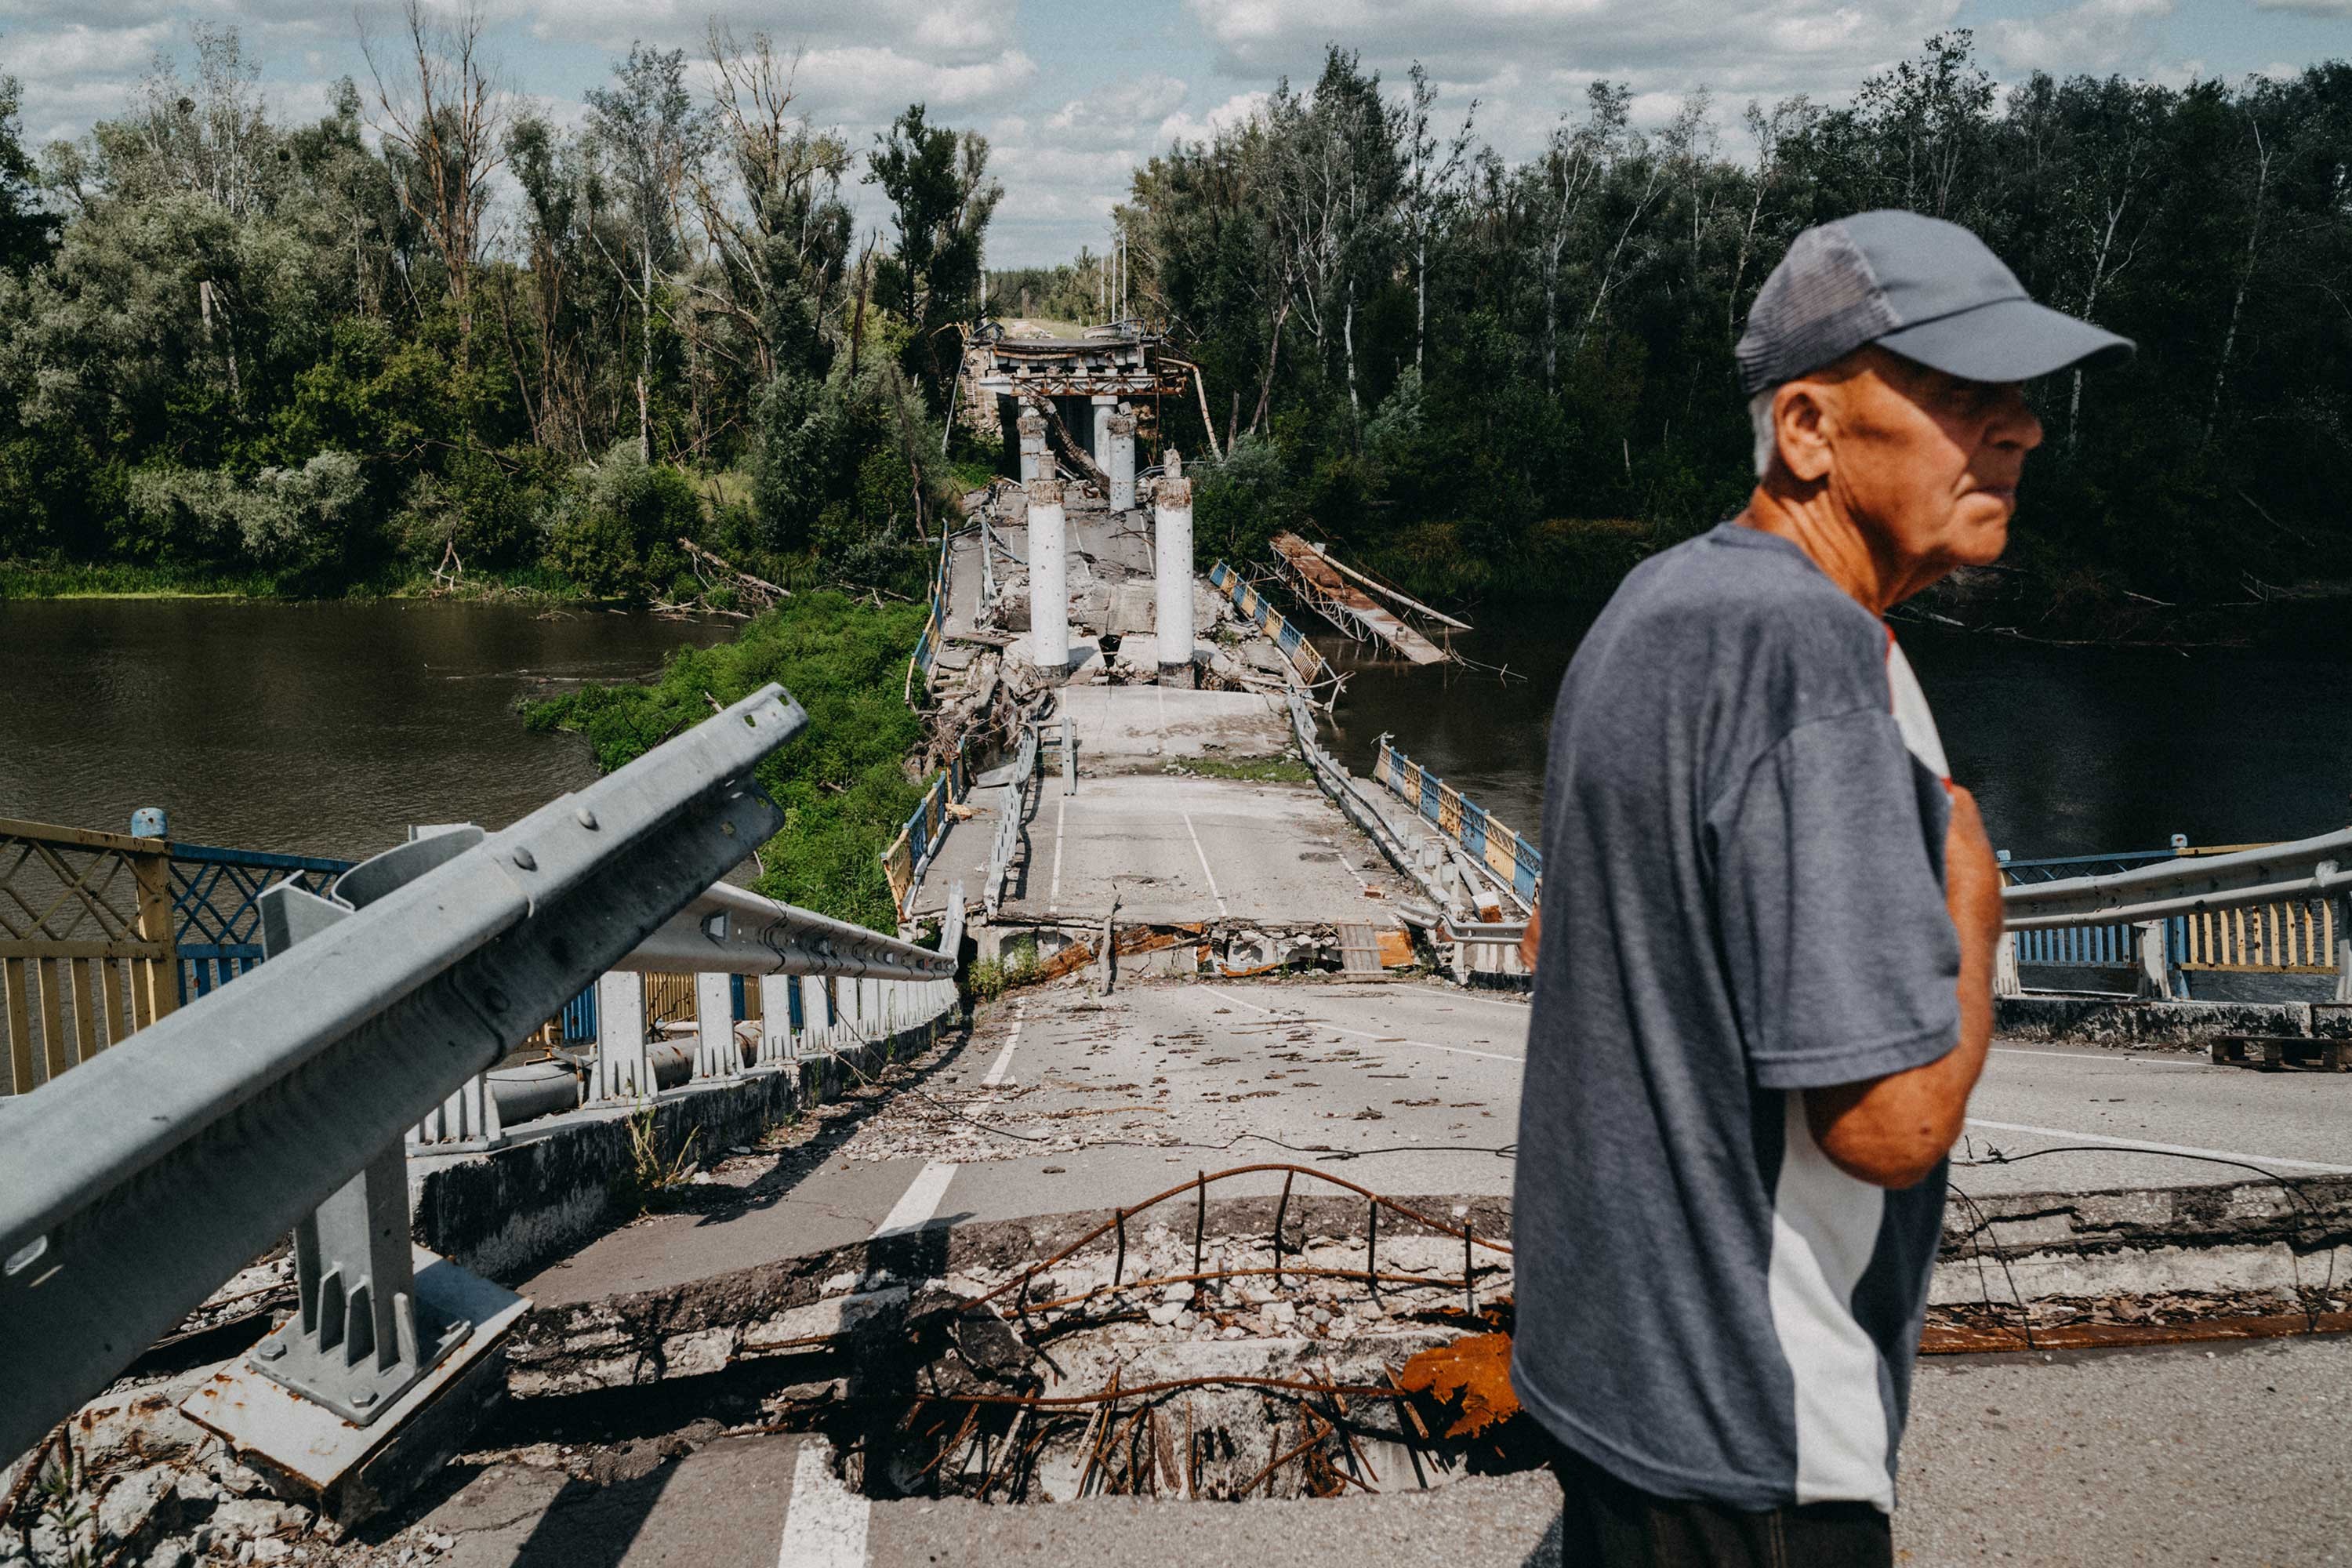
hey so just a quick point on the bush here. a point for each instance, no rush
(841, 782)
(615, 530)
(299, 520)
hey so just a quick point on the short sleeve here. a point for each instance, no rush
(1838, 947)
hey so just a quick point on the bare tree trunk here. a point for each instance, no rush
(1273, 354)
(1420, 297)
(2245, 276)
(1347, 337)
(645, 353)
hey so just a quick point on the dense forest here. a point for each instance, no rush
(432, 332)
(1495, 376)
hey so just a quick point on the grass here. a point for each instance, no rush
(1015, 965)
(34, 580)
(841, 782)
(1284, 768)
(653, 1177)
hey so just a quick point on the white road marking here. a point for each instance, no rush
(1053, 895)
(2092, 1057)
(1004, 1058)
(824, 1522)
(920, 1201)
(2065, 1136)
(1366, 1034)
(1204, 864)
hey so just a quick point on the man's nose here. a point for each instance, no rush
(2015, 424)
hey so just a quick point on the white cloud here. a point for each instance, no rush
(1118, 110)
(866, 82)
(1184, 127)
(2307, 7)
(2094, 36)
(955, 27)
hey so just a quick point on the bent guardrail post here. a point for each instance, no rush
(131, 1187)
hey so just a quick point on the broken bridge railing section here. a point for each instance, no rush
(134, 1185)
(1500, 849)
(2268, 909)
(103, 934)
(935, 629)
(911, 853)
(1008, 822)
(1304, 657)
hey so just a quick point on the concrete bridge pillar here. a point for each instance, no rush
(1120, 464)
(1049, 578)
(1105, 406)
(1171, 551)
(1034, 463)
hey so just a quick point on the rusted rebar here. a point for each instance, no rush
(1121, 1216)
(1469, 1274)
(1280, 1209)
(1371, 1248)
(1118, 1268)
(1200, 1220)
(1154, 1281)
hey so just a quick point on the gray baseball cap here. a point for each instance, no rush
(1915, 286)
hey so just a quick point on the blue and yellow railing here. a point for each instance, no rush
(1499, 848)
(1303, 655)
(903, 862)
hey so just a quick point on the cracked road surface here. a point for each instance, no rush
(2224, 1456)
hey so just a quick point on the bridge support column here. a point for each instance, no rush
(1049, 579)
(1120, 464)
(1031, 429)
(1105, 407)
(1171, 558)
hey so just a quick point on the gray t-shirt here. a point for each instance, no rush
(1743, 857)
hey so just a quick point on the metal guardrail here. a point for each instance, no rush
(935, 626)
(2192, 911)
(1303, 655)
(131, 1187)
(1498, 849)
(1008, 822)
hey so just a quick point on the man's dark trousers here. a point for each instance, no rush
(1604, 1523)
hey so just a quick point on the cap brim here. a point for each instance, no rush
(2007, 340)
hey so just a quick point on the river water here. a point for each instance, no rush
(2070, 751)
(331, 727)
(323, 728)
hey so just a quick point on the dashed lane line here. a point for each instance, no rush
(1004, 1063)
(1203, 854)
(824, 1522)
(1366, 1034)
(920, 1201)
(2190, 1150)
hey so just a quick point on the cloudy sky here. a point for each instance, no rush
(1073, 93)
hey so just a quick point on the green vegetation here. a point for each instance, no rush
(654, 1177)
(1488, 378)
(1284, 768)
(841, 782)
(1016, 965)
(247, 354)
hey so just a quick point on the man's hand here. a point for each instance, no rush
(1891, 1131)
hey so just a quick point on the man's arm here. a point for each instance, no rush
(1891, 1131)
(1531, 939)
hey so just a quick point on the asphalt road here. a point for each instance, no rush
(2185, 1456)
(1063, 1100)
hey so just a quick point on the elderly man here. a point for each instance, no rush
(1763, 989)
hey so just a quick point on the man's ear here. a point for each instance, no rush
(1798, 421)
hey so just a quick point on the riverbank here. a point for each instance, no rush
(26, 580)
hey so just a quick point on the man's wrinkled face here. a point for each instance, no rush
(1929, 461)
